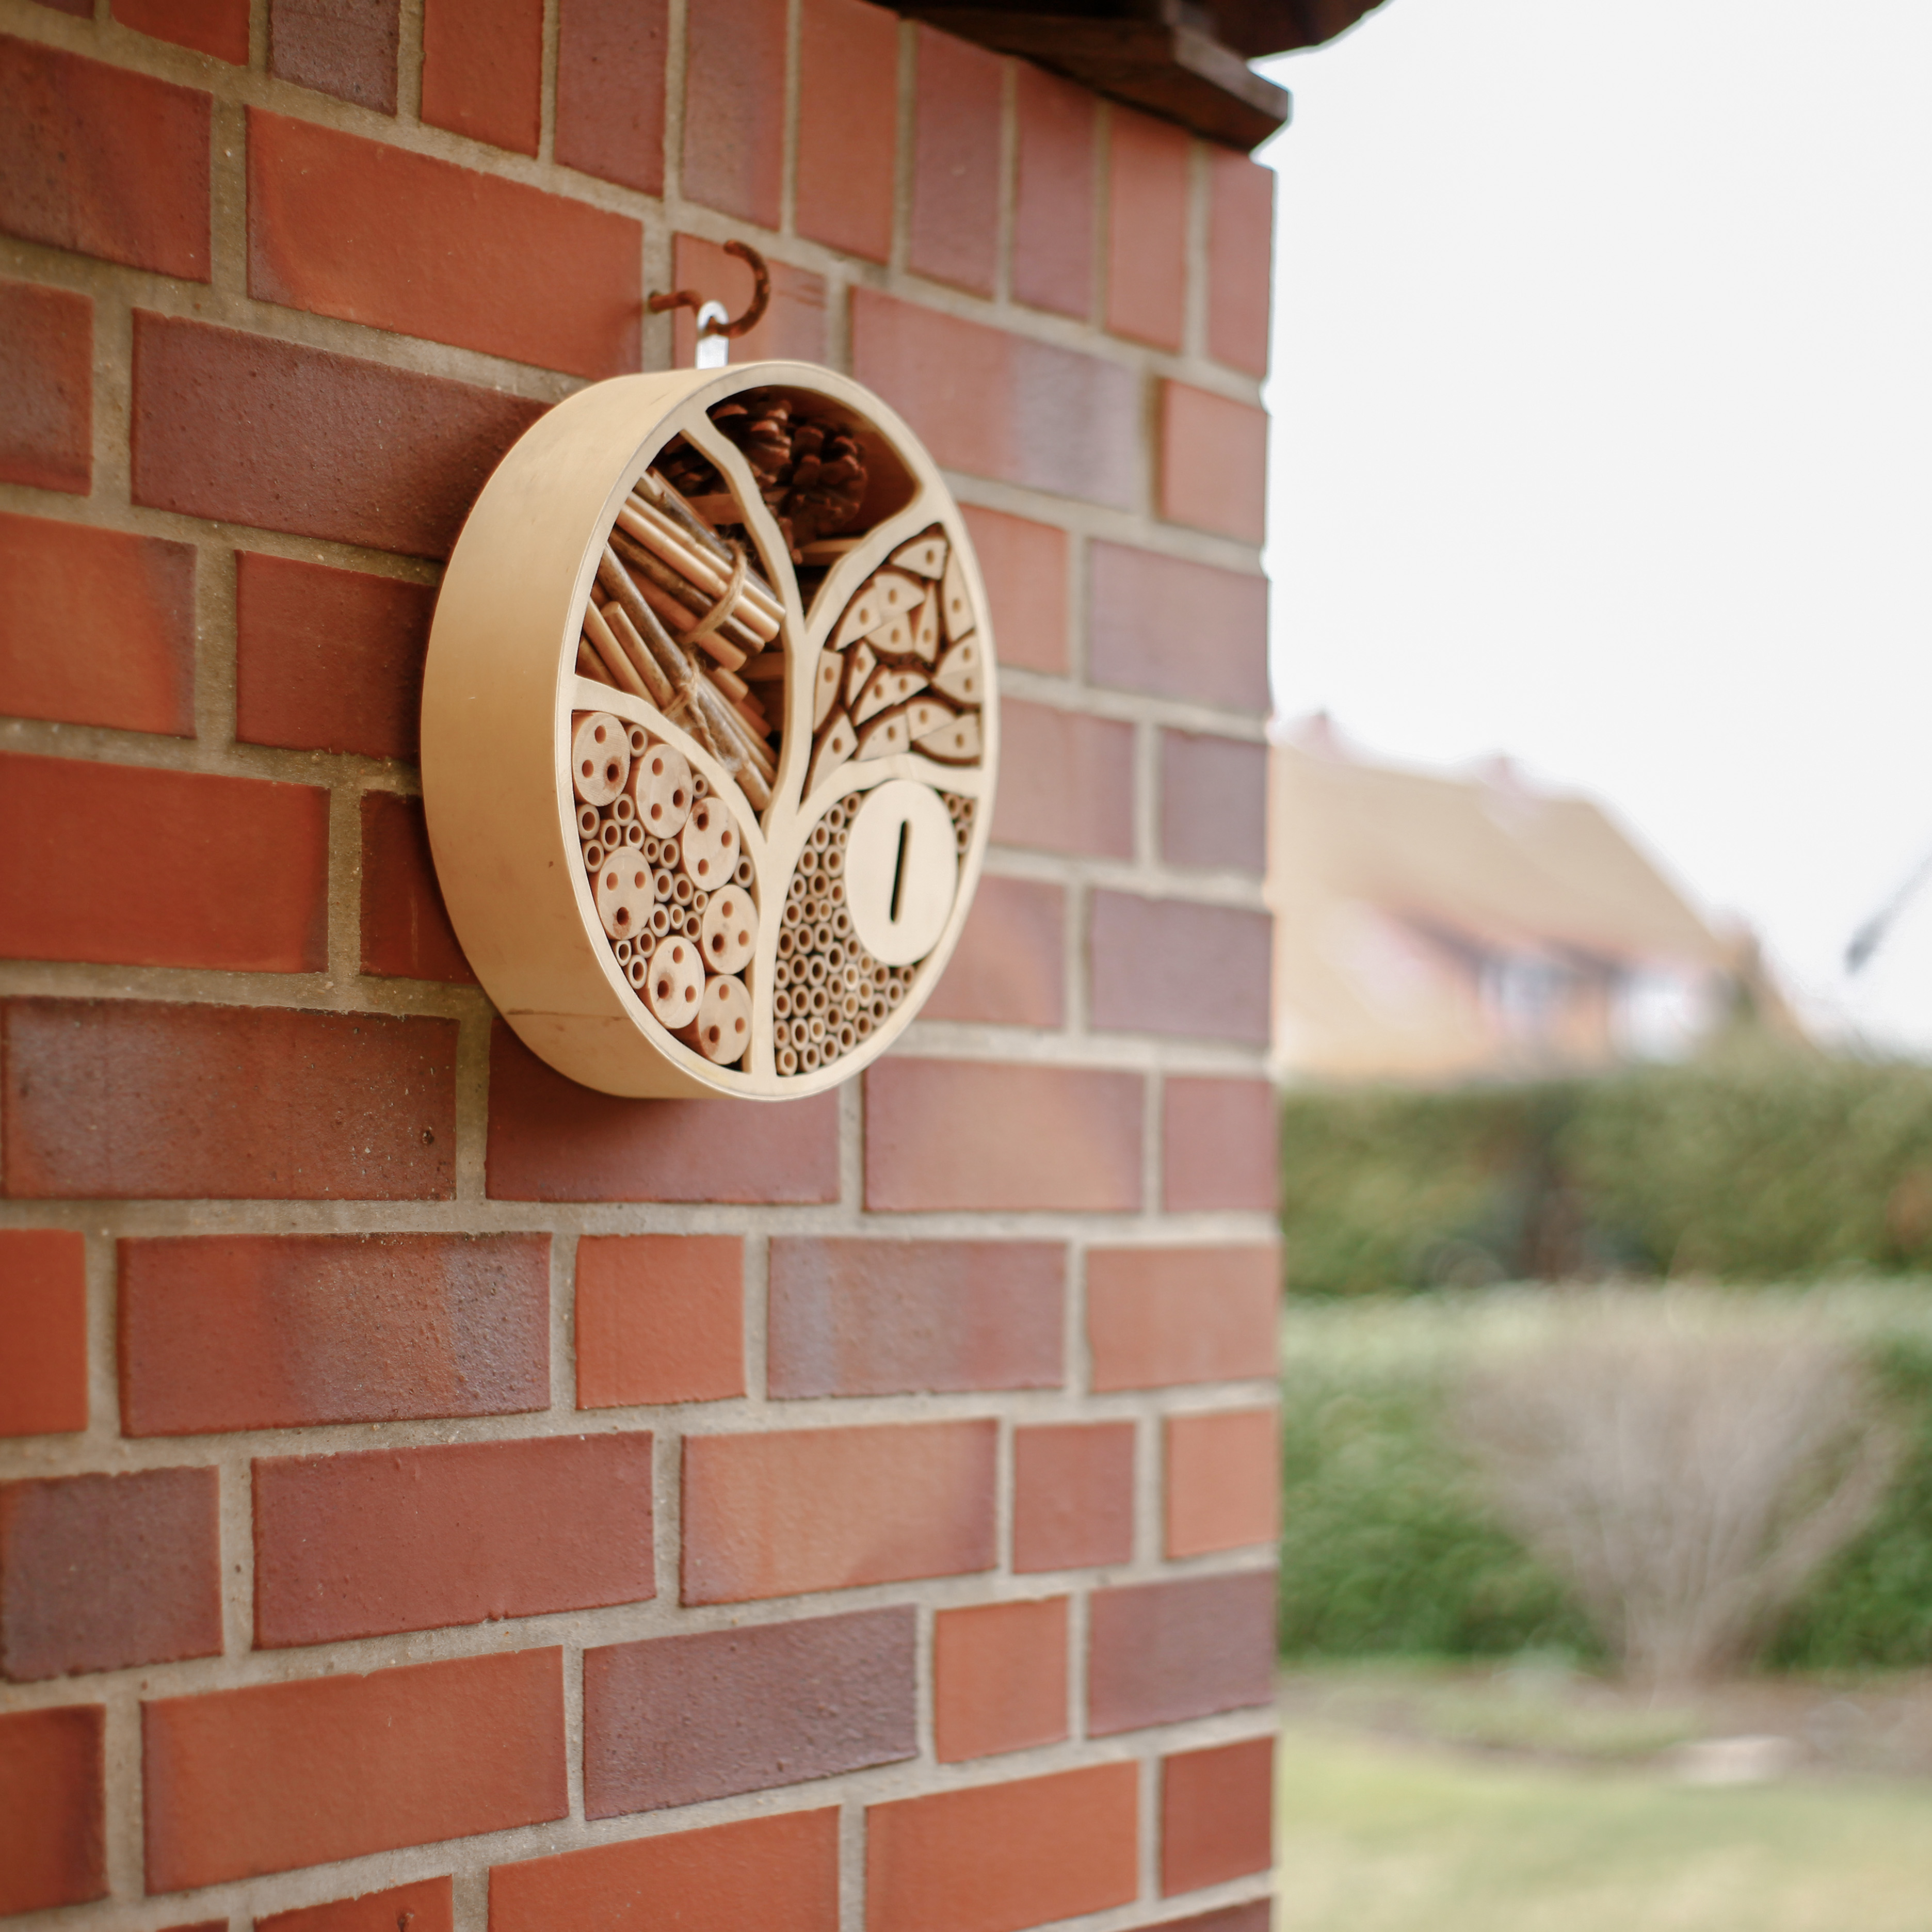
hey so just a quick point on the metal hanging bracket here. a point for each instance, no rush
(715, 328)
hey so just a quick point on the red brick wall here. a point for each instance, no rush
(433, 1494)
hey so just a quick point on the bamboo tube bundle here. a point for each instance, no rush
(960, 809)
(677, 683)
(663, 866)
(830, 994)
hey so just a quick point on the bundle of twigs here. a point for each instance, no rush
(677, 613)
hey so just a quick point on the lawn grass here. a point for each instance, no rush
(1381, 1835)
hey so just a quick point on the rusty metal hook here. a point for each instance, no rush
(761, 297)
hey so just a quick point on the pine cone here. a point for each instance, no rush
(812, 474)
(760, 425)
(828, 481)
(688, 472)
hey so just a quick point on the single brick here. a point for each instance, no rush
(1216, 1814)
(792, 326)
(405, 930)
(126, 1099)
(611, 59)
(53, 1829)
(482, 70)
(1156, 1317)
(552, 1140)
(347, 48)
(237, 1782)
(199, 869)
(999, 1678)
(848, 59)
(734, 78)
(131, 599)
(660, 1318)
(1140, 602)
(216, 27)
(230, 1332)
(1147, 229)
(945, 1134)
(327, 660)
(1066, 1844)
(46, 390)
(1255, 1916)
(1073, 1495)
(375, 234)
(1214, 803)
(1219, 1145)
(1010, 968)
(1240, 251)
(1053, 192)
(1159, 1652)
(957, 109)
(888, 1318)
(97, 1573)
(428, 1906)
(213, 1925)
(679, 1719)
(1213, 462)
(999, 405)
(780, 1874)
(221, 1332)
(1169, 966)
(1067, 782)
(387, 1540)
(103, 161)
(828, 1509)
(242, 429)
(1223, 1481)
(1025, 565)
(43, 1316)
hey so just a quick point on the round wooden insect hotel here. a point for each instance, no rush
(709, 731)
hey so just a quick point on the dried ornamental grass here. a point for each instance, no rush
(1687, 1471)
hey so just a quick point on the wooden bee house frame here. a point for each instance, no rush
(505, 691)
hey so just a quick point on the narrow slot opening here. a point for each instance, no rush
(899, 869)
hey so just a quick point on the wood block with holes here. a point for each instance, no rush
(860, 663)
(924, 557)
(866, 612)
(925, 629)
(956, 742)
(835, 745)
(885, 735)
(956, 605)
(894, 638)
(887, 686)
(825, 686)
(957, 675)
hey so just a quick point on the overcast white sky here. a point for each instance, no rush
(1604, 433)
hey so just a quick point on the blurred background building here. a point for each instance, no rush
(1435, 926)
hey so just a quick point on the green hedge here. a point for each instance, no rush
(1762, 1165)
(1387, 1548)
